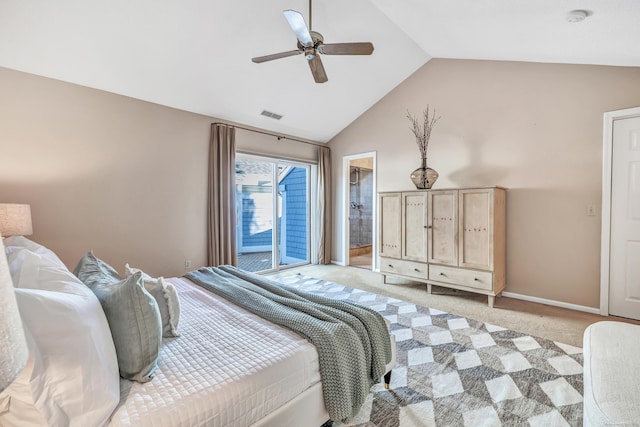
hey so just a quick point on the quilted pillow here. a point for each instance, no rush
(166, 296)
(132, 313)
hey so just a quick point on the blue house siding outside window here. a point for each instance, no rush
(295, 213)
(257, 227)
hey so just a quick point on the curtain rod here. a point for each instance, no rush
(270, 134)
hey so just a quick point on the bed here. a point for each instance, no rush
(221, 365)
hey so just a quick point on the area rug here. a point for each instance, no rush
(455, 371)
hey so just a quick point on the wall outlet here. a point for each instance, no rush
(591, 210)
(187, 264)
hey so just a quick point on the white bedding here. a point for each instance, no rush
(228, 368)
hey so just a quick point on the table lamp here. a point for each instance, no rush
(15, 220)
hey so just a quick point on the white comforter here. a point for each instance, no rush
(228, 368)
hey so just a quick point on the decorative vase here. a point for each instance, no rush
(424, 177)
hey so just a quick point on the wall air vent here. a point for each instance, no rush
(272, 115)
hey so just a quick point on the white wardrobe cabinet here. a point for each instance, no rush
(453, 238)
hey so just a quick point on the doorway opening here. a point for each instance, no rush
(360, 208)
(273, 213)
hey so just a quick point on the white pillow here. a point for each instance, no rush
(17, 407)
(166, 296)
(23, 242)
(75, 379)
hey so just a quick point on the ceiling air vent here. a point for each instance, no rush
(272, 115)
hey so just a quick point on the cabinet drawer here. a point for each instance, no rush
(460, 276)
(404, 268)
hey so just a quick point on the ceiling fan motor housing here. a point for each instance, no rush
(316, 37)
(310, 51)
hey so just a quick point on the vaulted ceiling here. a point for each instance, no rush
(195, 55)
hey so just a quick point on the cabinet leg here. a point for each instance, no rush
(491, 300)
(387, 380)
(428, 288)
(384, 279)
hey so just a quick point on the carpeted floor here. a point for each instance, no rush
(553, 323)
(457, 371)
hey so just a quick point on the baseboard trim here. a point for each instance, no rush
(592, 310)
(576, 307)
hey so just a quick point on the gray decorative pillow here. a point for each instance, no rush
(166, 296)
(132, 313)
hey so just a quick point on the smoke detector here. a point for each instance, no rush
(577, 16)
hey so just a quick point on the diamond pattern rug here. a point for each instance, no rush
(455, 371)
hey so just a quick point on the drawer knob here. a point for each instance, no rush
(442, 274)
(390, 266)
(416, 269)
(427, 226)
(476, 279)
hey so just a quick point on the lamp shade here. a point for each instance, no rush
(13, 346)
(15, 220)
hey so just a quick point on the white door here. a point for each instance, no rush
(624, 256)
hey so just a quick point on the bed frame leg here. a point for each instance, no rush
(387, 380)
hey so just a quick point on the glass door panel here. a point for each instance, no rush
(273, 220)
(255, 213)
(293, 203)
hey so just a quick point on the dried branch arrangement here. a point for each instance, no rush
(423, 132)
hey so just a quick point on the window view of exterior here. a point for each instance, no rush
(273, 220)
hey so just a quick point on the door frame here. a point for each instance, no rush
(346, 179)
(607, 158)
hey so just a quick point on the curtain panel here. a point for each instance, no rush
(221, 202)
(324, 205)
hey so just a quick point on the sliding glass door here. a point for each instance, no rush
(273, 212)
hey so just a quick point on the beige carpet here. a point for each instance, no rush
(553, 323)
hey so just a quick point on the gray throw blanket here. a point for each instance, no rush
(352, 341)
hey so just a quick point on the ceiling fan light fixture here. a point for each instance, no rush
(309, 53)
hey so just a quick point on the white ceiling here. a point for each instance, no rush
(195, 55)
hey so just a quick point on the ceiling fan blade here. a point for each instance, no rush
(364, 48)
(297, 24)
(317, 69)
(266, 58)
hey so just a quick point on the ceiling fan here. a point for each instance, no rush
(311, 43)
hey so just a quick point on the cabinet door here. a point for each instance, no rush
(443, 227)
(390, 232)
(476, 227)
(414, 226)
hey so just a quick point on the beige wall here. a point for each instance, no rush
(123, 177)
(533, 128)
(127, 178)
